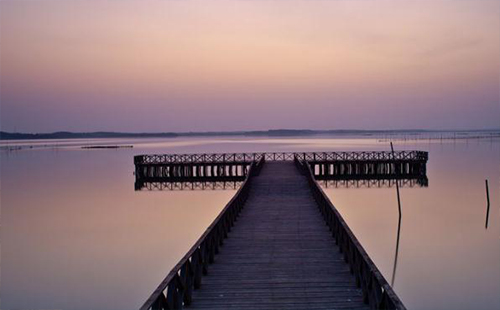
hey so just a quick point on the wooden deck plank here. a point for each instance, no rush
(280, 254)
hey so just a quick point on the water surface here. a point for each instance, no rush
(75, 234)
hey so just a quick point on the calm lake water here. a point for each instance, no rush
(75, 234)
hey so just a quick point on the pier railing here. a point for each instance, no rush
(175, 291)
(376, 290)
(279, 156)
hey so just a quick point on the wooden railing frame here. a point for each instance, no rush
(279, 156)
(176, 289)
(376, 290)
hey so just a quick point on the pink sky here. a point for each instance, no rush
(243, 65)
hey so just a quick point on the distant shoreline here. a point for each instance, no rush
(267, 133)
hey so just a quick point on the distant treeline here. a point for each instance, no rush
(267, 133)
(80, 135)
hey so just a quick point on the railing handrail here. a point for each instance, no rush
(278, 156)
(177, 268)
(371, 266)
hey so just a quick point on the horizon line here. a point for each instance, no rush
(245, 131)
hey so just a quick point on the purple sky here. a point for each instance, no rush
(244, 65)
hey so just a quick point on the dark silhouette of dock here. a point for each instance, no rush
(218, 171)
(280, 254)
(279, 243)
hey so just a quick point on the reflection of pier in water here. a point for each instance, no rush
(334, 169)
(334, 183)
(374, 183)
(188, 185)
(280, 253)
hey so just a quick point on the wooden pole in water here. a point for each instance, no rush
(399, 226)
(487, 203)
(397, 184)
(397, 253)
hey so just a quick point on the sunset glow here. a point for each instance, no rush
(240, 65)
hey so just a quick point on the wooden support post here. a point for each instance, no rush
(397, 187)
(487, 203)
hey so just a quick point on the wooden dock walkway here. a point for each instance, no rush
(279, 243)
(280, 255)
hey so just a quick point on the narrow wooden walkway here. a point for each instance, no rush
(279, 254)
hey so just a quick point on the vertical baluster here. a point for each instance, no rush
(197, 268)
(172, 296)
(187, 276)
(160, 303)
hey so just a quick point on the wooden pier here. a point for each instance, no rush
(193, 171)
(279, 243)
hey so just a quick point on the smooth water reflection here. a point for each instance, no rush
(75, 234)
